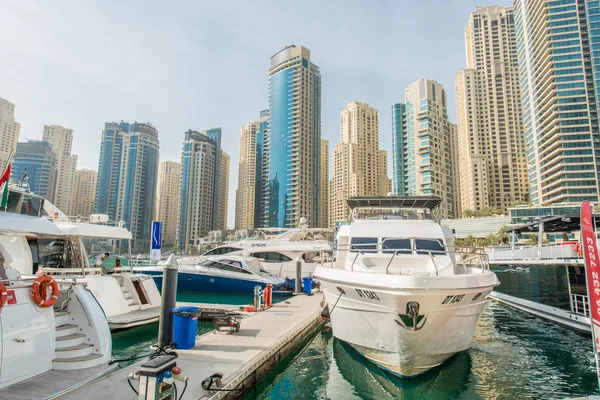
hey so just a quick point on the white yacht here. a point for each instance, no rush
(52, 345)
(128, 299)
(395, 291)
(279, 254)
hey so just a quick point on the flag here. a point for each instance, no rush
(4, 187)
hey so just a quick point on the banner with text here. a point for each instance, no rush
(156, 241)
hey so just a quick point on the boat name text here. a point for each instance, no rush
(368, 294)
(455, 298)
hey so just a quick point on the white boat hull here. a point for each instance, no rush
(376, 321)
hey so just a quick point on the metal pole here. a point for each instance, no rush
(129, 255)
(168, 302)
(298, 276)
(540, 238)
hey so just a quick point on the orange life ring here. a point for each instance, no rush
(38, 291)
(3, 295)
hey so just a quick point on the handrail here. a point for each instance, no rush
(352, 266)
(389, 263)
(434, 265)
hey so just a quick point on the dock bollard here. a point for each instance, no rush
(257, 302)
(268, 295)
(168, 302)
(298, 288)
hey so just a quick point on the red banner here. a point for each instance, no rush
(592, 272)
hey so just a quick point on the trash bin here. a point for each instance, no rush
(185, 325)
(307, 284)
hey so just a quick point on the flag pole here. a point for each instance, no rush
(4, 169)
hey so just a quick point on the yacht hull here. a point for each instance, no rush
(376, 320)
(195, 282)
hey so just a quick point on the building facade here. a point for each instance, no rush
(127, 176)
(398, 150)
(294, 139)
(9, 131)
(85, 192)
(427, 163)
(556, 45)
(204, 188)
(245, 195)
(359, 167)
(492, 154)
(169, 187)
(34, 164)
(324, 222)
(61, 141)
(262, 178)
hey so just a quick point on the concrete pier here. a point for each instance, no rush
(244, 358)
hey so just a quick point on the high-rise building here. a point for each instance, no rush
(36, 162)
(85, 192)
(127, 176)
(61, 141)
(294, 139)
(204, 187)
(9, 131)
(560, 77)
(324, 222)
(359, 167)
(398, 149)
(492, 156)
(245, 195)
(427, 147)
(169, 187)
(262, 177)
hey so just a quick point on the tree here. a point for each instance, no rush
(532, 239)
(174, 249)
(468, 213)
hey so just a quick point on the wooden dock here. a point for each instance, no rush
(244, 357)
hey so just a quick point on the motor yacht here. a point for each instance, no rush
(396, 292)
(54, 344)
(127, 299)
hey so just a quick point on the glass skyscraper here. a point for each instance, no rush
(293, 142)
(398, 150)
(127, 176)
(558, 44)
(38, 158)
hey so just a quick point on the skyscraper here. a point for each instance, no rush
(262, 178)
(324, 223)
(127, 176)
(359, 167)
(294, 139)
(398, 149)
(169, 187)
(492, 157)
(427, 146)
(61, 141)
(85, 192)
(560, 97)
(246, 191)
(204, 187)
(9, 131)
(39, 161)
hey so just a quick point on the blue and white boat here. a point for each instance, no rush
(220, 274)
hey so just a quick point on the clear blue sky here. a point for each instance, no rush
(204, 64)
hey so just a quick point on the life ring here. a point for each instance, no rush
(3, 295)
(38, 291)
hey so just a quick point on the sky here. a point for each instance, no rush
(204, 64)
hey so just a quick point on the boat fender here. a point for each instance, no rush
(325, 314)
(3, 295)
(214, 379)
(39, 291)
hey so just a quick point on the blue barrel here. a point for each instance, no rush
(307, 284)
(185, 325)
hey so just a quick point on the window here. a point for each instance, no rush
(426, 245)
(221, 250)
(224, 267)
(364, 244)
(400, 246)
(271, 256)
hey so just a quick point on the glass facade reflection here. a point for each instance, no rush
(399, 147)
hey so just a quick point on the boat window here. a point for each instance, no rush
(271, 256)
(52, 253)
(433, 246)
(233, 262)
(364, 244)
(225, 267)
(221, 250)
(400, 246)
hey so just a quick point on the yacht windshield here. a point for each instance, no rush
(222, 266)
(427, 246)
(363, 244)
(398, 246)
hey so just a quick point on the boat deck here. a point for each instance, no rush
(134, 318)
(53, 384)
(263, 340)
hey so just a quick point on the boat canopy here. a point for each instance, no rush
(91, 230)
(557, 223)
(26, 224)
(407, 202)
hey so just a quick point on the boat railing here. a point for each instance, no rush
(465, 257)
(551, 251)
(78, 271)
(579, 304)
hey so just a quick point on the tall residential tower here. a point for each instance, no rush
(245, 195)
(492, 157)
(85, 192)
(294, 139)
(169, 187)
(9, 131)
(61, 141)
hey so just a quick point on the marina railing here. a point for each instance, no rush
(579, 304)
(463, 257)
(555, 251)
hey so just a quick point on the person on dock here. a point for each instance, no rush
(98, 263)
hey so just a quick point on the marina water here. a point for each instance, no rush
(513, 356)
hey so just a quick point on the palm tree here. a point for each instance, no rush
(468, 213)
(533, 239)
